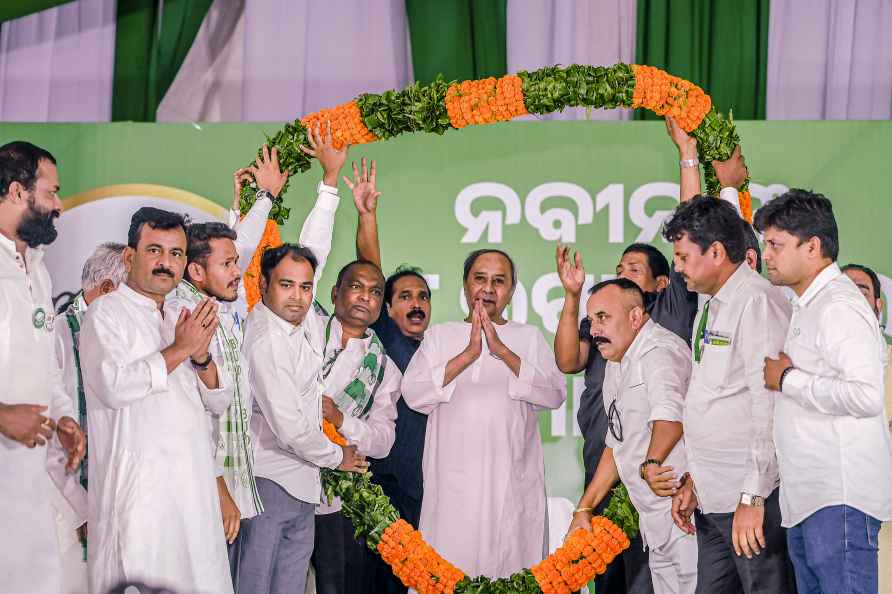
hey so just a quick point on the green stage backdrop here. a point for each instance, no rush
(520, 186)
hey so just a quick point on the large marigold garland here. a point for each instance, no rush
(442, 106)
(438, 107)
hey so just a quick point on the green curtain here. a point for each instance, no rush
(152, 39)
(13, 9)
(460, 39)
(720, 45)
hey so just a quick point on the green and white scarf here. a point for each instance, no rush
(357, 397)
(234, 449)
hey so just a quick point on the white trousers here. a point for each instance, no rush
(673, 566)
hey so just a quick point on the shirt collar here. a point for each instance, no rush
(638, 344)
(822, 280)
(137, 298)
(79, 304)
(337, 332)
(729, 289)
(31, 254)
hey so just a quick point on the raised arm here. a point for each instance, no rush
(365, 198)
(688, 163)
(570, 350)
(268, 179)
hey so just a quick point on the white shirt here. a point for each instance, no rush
(729, 413)
(154, 511)
(648, 385)
(284, 362)
(29, 549)
(833, 443)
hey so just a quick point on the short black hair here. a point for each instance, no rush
(272, 256)
(19, 161)
(200, 235)
(402, 271)
(707, 220)
(752, 243)
(155, 218)
(359, 262)
(624, 284)
(472, 257)
(803, 214)
(874, 279)
(656, 261)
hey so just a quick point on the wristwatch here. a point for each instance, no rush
(644, 466)
(689, 163)
(261, 194)
(202, 366)
(751, 500)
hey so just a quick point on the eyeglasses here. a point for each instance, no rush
(614, 423)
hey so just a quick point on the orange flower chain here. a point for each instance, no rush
(415, 562)
(270, 238)
(347, 126)
(485, 101)
(582, 556)
(664, 94)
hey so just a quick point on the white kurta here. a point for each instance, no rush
(154, 512)
(484, 474)
(29, 548)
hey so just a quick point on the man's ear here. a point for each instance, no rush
(334, 293)
(263, 284)
(107, 286)
(127, 257)
(636, 317)
(195, 271)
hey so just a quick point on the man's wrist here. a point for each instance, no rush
(330, 179)
(783, 375)
(685, 154)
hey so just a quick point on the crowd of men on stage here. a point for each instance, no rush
(744, 413)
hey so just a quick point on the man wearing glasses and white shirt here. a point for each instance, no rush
(833, 446)
(728, 415)
(644, 388)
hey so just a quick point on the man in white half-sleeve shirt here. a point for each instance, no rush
(833, 445)
(154, 513)
(728, 412)
(644, 388)
(33, 401)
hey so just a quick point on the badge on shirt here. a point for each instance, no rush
(42, 319)
(716, 338)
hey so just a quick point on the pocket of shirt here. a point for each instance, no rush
(715, 364)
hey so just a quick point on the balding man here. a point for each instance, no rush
(648, 368)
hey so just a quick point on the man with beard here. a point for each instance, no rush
(34, 408)
(154, 514)
(644, 387)
(401, 326)
(216, 259)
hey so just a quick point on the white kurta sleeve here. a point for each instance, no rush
(276, 392)
(850, 345)
(422, 386)
(318, 229)
(762, 332)
(539, 382)
(116, 377)
(249, 232)
(667, 372)
(374, 435)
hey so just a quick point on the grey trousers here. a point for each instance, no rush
(274, 548)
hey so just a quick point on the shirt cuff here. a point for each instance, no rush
(796, 384)
(157, 372)
(732, 197)
(350, 428)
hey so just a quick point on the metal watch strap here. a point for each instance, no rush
(751, 500)
(203, 365)
(688, 163)
(261, 194)
(780, 382)
(645, 464)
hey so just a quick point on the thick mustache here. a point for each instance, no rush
(600, 340)
(416, 313)
(160, 271)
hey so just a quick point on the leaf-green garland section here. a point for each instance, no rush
(422, 108)
(371, 512)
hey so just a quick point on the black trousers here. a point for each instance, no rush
(338, 558)
(721, 571)
(381, 575)
(629, 573)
